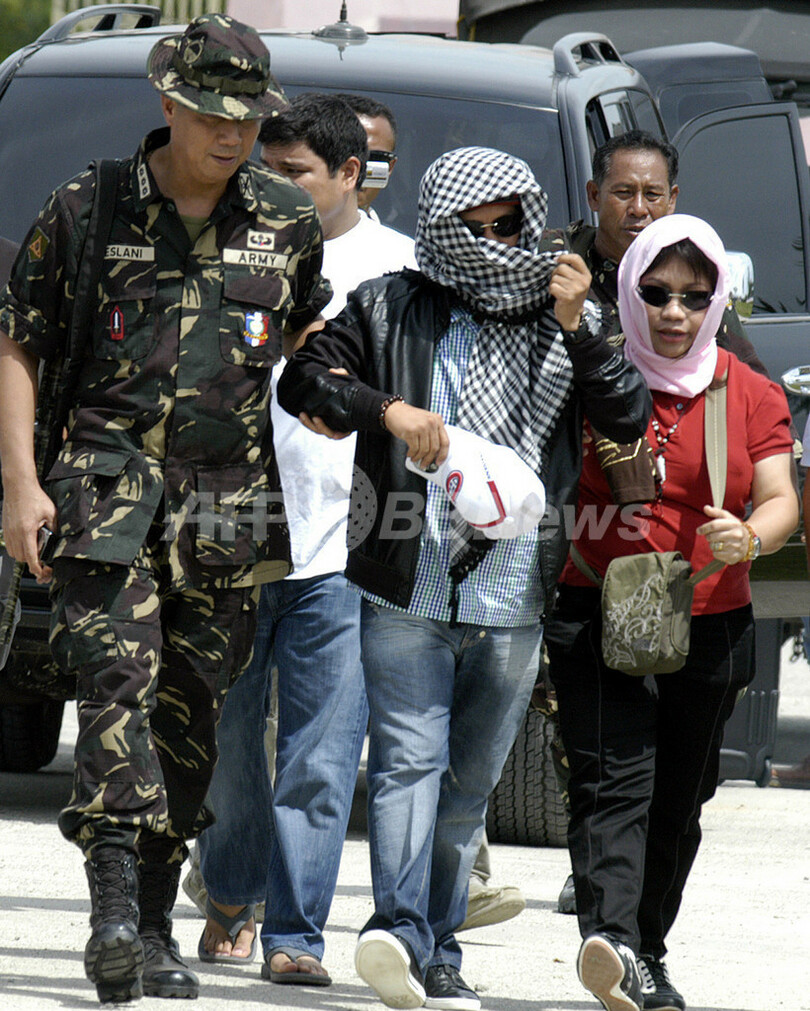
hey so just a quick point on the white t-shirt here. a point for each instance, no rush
(367, 250)
(316, 472)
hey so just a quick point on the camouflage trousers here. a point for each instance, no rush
(152, 667)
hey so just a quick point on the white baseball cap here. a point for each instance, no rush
(492, 488)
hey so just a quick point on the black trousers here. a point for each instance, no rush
(644, 756)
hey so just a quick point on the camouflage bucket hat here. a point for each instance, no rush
(218, 67)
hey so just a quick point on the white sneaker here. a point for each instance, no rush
(608, 969)
(487, 905)
(387, 965)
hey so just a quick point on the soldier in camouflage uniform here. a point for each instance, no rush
(633, 184)
(164, 498)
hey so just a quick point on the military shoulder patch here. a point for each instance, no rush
(38, 244)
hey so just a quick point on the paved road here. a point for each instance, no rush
(740, 943)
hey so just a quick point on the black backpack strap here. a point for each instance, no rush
(91, 260)
(60, 375)
(57, 382)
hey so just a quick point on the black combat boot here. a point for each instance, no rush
(113, 958)
(165, 974)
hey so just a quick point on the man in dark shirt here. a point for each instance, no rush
(633, 184)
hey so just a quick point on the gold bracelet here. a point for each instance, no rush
(751, 542)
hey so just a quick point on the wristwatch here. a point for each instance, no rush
(754, 544)
(590, 324)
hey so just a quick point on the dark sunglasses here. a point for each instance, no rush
(505, 226)
(386, 156)
(657, 296)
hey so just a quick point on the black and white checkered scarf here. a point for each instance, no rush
(519, 376)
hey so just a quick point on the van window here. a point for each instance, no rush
(616, 112)
(645, 113)
(682, 102)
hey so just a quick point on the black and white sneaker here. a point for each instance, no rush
(656, 987)
(387, 964)
(608, 969)
(447, 991)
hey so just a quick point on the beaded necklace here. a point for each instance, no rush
(662, 440)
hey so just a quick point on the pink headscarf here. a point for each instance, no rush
(690, 375)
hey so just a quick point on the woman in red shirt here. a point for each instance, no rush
(644, 752)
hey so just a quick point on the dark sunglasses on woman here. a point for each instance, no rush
(505, 226)
(658, 296)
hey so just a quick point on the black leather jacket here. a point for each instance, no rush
(384, 338)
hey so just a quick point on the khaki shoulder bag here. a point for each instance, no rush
(647, 598)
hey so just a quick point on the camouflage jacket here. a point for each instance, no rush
(171, 416)
(581, 238)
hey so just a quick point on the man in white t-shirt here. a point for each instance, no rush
(291, 834)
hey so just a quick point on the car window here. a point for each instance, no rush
(60, 126)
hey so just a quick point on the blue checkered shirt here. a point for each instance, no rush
(505, 589)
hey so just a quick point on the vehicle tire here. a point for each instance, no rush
(764, 778)
(526, 807)
(29, 734)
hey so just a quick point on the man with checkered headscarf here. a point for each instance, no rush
(164, 501)
(492, 336)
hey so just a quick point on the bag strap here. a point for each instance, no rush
(91, 260)
(60, 376)
(716, 439)
(697, 577)
(583, 566)
(715, 565)
(57, 381)
(715, 427)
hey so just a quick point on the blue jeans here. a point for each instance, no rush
(284, 844)
(446, 704)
